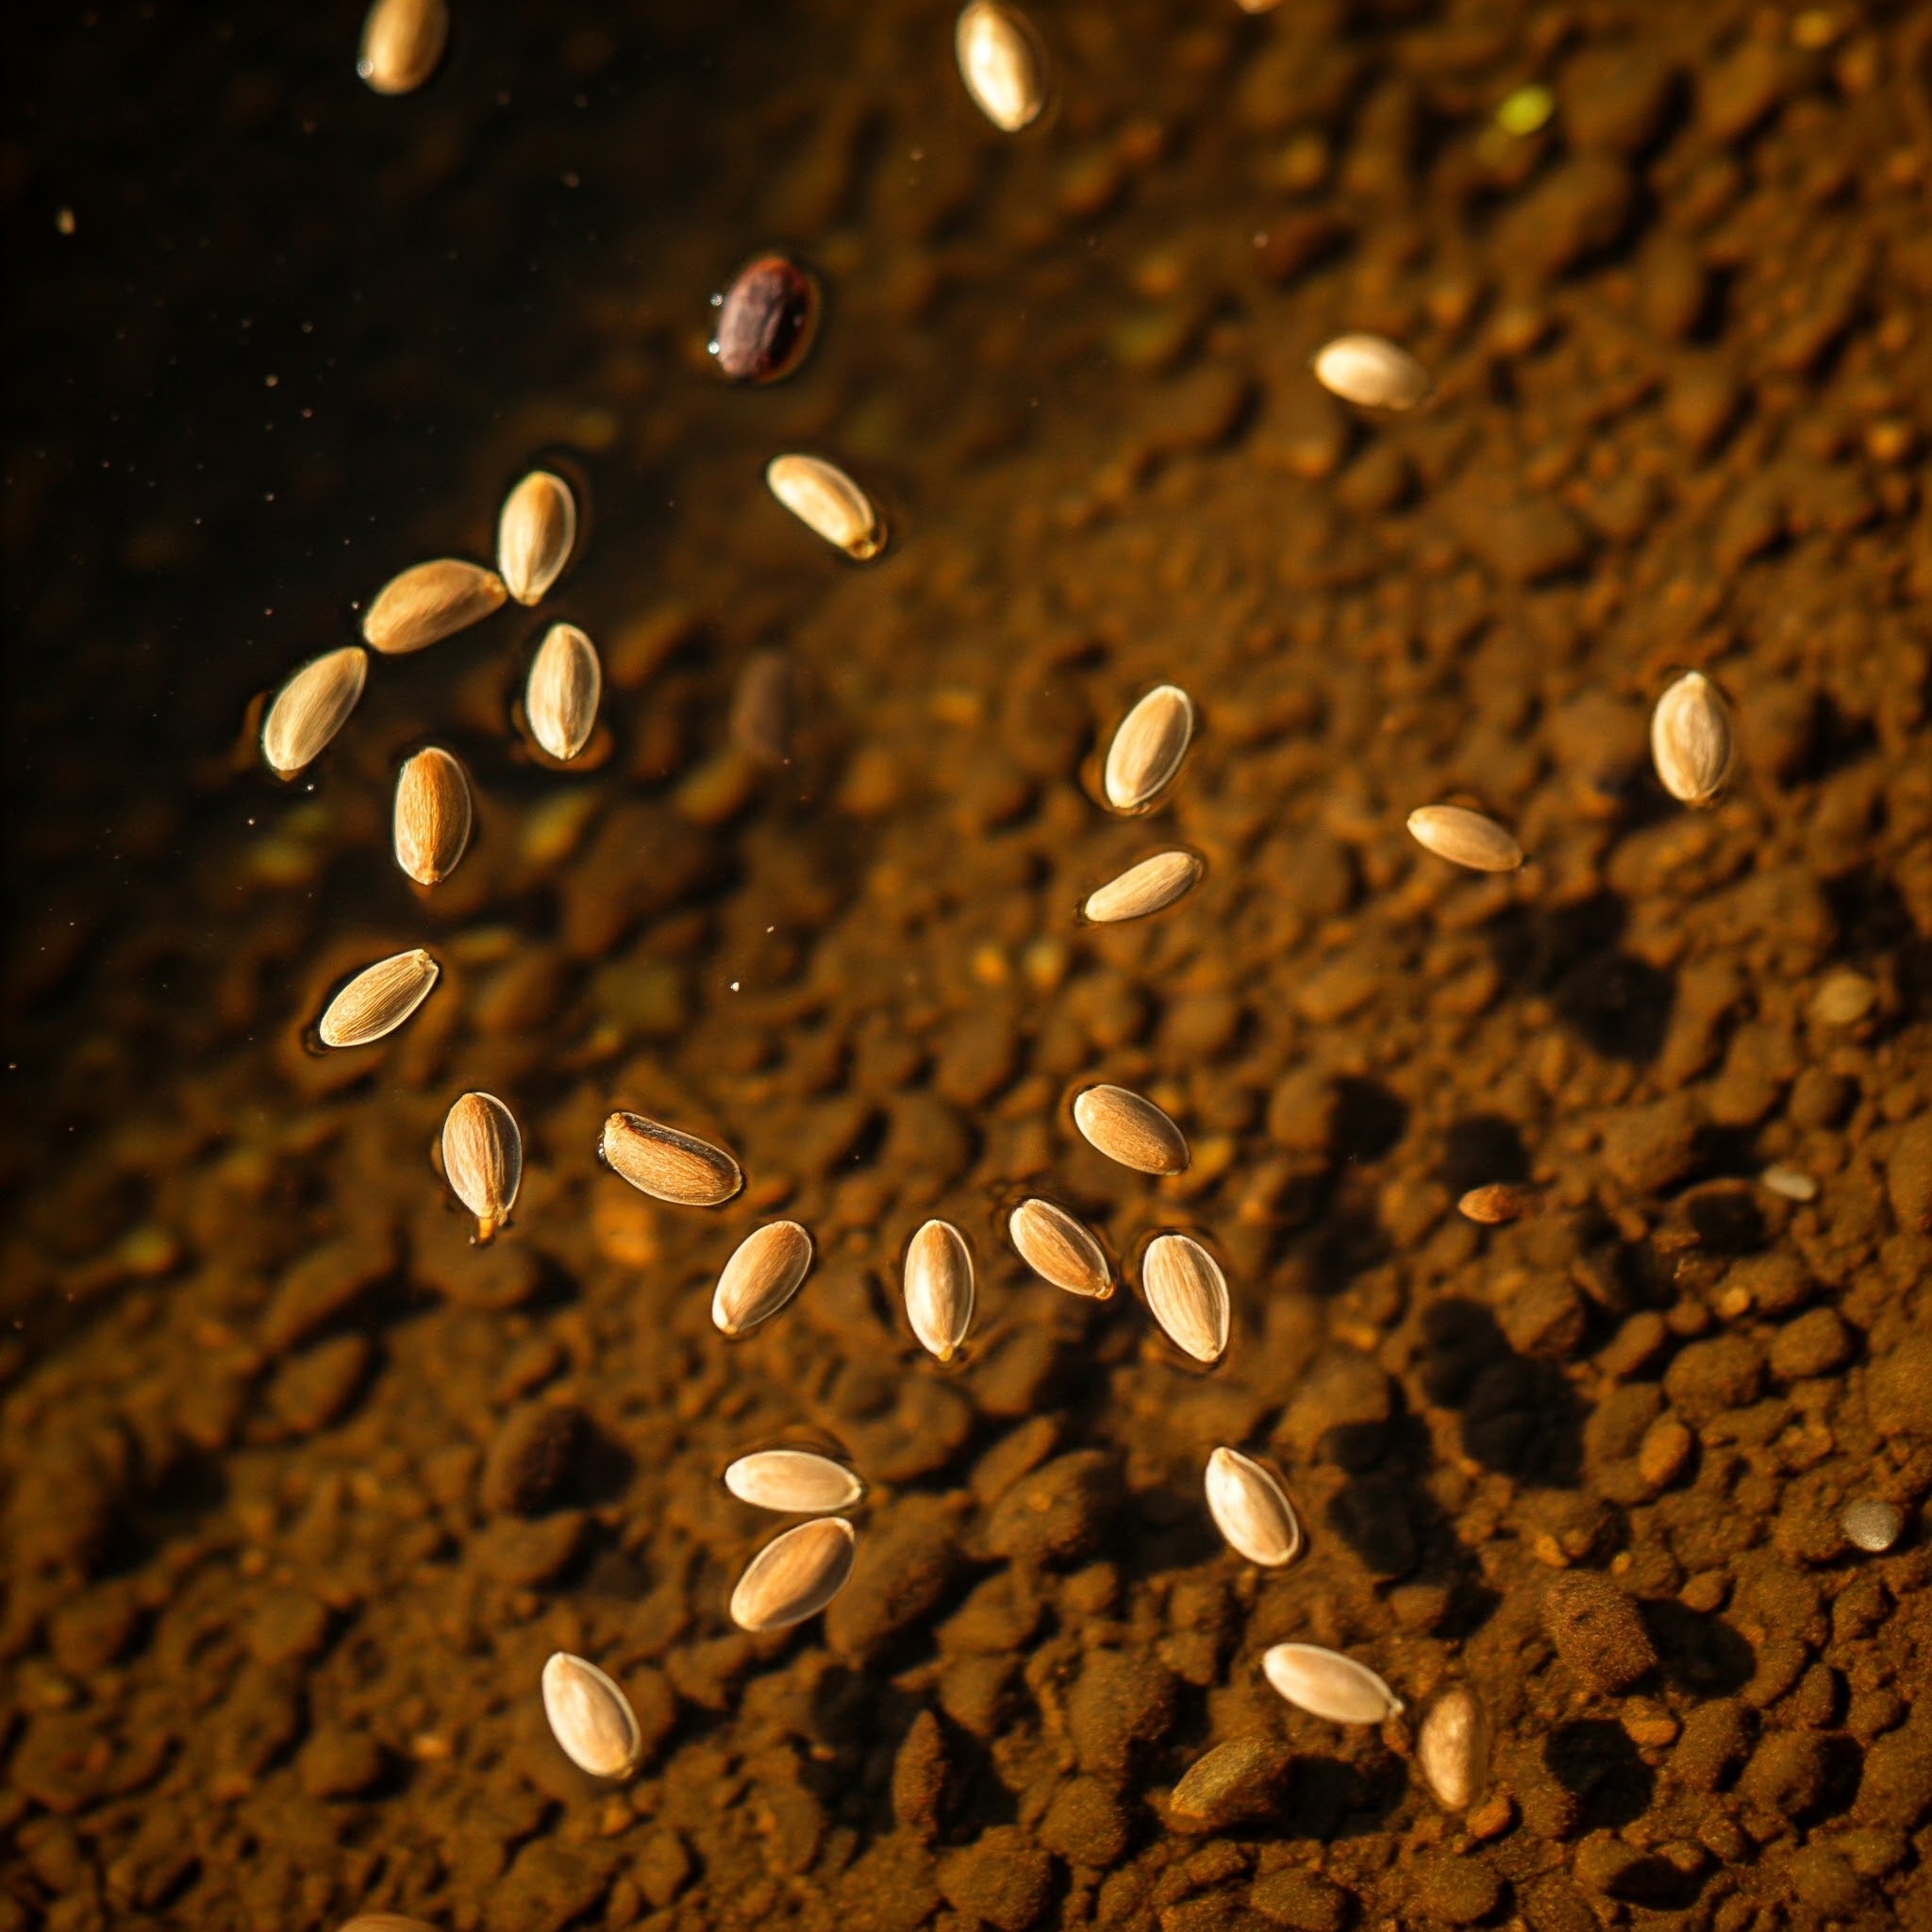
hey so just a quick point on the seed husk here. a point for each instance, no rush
(1372, 373)
(1251, 1509)
(311, 708)
(1059, 1249)
(1002, 63)
(669, 1166)
(1872, 1524)
(1465, 838)
(1132, 1130)
(1691, 741)
(793, 1481)
(1329, 1685)
(825, 499)
(1152, 885)
(763, 1274)
(402, 42)
(1188, 1295)
(483, 1158)
(432, 815)
(1497, 1204)
(565, 685)
(939, 1287)
(1147, 749)
(766, 320)
(795, 1576)
(430, 601)
(536, 532)
(379, 999)
(590, 1718)
(1452, 1746)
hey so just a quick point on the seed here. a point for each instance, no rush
(379, 999)
(1188, 1295)
(795, 1576)
(765, 320)
(669, 1166)
(1252, 1510)
(1131, 1130)
(535, 535)
(761, 708)
(560, 699)
(384, 1922)
(432, 815)
(763, 1274)
(1152, 885)
(1002, 63)
(1793, 1183)
(483, 1158)
(1372, 373)
(794, 1481)
(1452, 1746)
(1327, 1684)
(429, 601)
(1059, 1249)
(1148, 748)
(826, 500)
(402, 41)
(1496, 1203)
(1464, 838)
(1873, 1523)
(939, 1287)
(1844, 999)
(311, 708)
(590, 1718)
(1690, 740)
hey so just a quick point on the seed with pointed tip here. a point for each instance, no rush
(432, 817)
(1152, 885)
(483, 1158)
(590, 1718)
(560, 699)
(536, 532)
(1464, 838)
(825, 499)
(1148, 748)
(794, 1481)
(379, 999)
(765, 320)
(1494, 1206)
(430, 601)
(1188, 1295)
(669, 1166)
(763, 1274)
(311, 708)
(795, 1576)
(402, 41)
(1452, 1746)
(1252, 1510)
(1131, 1130)
(1372, 373)
(1329, 1685)
(939, 1287)
(1059, 1249)
(1002, 64)
(1690, 740)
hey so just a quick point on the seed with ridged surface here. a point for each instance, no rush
(483, 1158)
(379, 999)
(1690, 740)
(1131, 1130)
(1152, 885)
(825, 499)
(536, 532)
(1372, 372)
(794, 1481)
(669, 1166)
(430, 601)
(1147, 750)
(763, 1274)
(1186, 1293)
(795, 1576)
(402, 41)
(1059, 1249)
(590, 1718)
(765, 320)
(565, 685)
(311, 708)
(1002, 63)
(432, 816)
(1452, 1746)
(1327, 1684)
(1464, 838)
(939, 1287)
(1252, 1510)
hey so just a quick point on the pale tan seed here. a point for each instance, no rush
(939, 1287)
(536, 532)
(1372, 373)
(379, 999)
(1497, 1204)
(483, 1158)
(1251, 1509)
(794, 1481)
(402, 41)
(430, 601)
(1329, 1685)
(1002, 63)
(825, 499)
(1186, 1293)
(1152, 885)
(669, 1166)
(1464, 838)
(565, 685)
(1131, 1130)
(384, 1922)
(1148, 747)
(763, 1274)
(1452, 1746)
(1691, 741)
(311, 708)
(590, 1718)
(1059, 1249)
(432, 817)
(795, 1576)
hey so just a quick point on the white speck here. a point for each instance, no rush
(1791, 1182)
(734, 986)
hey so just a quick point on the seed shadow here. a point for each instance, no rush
(1617, 1005)
(1518, 1416)
(1334, 1799)
(1595, 1760)
(1657, 1885)
(1480, 1148)
(1697, 1652)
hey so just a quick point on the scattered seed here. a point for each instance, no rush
(379, 999)
(1793, 1183)
(669, 1166)
(1372, 373)
(793, 1481)
(483, 1158)
(766, 320)
(432, 815)
(1152, 885)
(1329, 1685)
(560, 698)
(1002, 63)
(1131, 1130)
(311, 708)
(1498, 1203)
(939, 1287)
(1188, 1295)
(763, 1274)
(1059, 1249)
(1525, 111)
(1873, 1523)
(1690, 740)
(1452, 1746)
(826, 500)
(1252, 1510)
(535, 535)
(429, 601)
(795, 1576)
(1464, 838)
(1148, 748)
(590, 1718)
(384, 1922)
(402, 41)
(1843, 999)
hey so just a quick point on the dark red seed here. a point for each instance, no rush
(765, 320)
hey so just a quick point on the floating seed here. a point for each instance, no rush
(761, 708)
(766, 320)
(483, 1158)
(1327, 1684)
(795, 1576)
(939, 1287)
(826, 500)
(565, 683)
(1465, 838)
(1252, 1510)
(669, 1166)
(1872, 1524)
(590, 1718)
(794, 1481)
(379, 999)
(311, 708)
(402, 41)
(432, 815)
(1002, 63)
(1148, 748)
(1372, 373)
(429, 601)
(1498, 1203)
(761, 1276)
(1188, 1295)
(1452, 1746)
(1059, 1249)
(535, 535)
(1152, 885)
(1690, 740)
(1131, 1130)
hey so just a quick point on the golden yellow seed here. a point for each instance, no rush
(763, 1274)
(483, 1160)
(1002, 63)
(1150, 886)
(311, 708)
(565, 686)
(1372, 373)
(795, 1576)
(379, 999)
(402, 42)
(1691, 741)
(1059, 1249)
(536, 533)
(825, 499)
(590, 1718)
(939, 1287)
(1148, 748)
(669, 1166)
(1130, 1130)
(1464, 838)
(432, 815)
(430, 601)
(1186, 1293)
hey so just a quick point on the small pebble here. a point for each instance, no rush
(1872, 1524)
(1843, 999)
(1792, 1183)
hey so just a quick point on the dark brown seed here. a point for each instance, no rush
(766, 320)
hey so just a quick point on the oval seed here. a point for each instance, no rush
(765, 320)
(385, 1922)
(402, 41)
(590, 1718)
(1498, 1203)
(565, 683)
(536, 533)
(1452, 1748)
(1002, 64)
(430, 601)
(763, 1274)
(311, 708)
(794, 1481)
(1152, 885)
(1372, 372)
(1327, 1684)
(795, 1576)
(483, 1158)
(1251, 1509)
(826, 500)
(1872, 1524)
(939, 1287)
(1060, 1250)
(1464, 838)
(379, 999)
(669, 1166)
(1690, 740)
(1148, 748)
(1188, 1295)
(1133, 1132)
(432, 815)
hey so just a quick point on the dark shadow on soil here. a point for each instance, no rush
(1697, 1653)
(1519, 1417)
(1334, 1799)
(1595, 1758)
(1619, 1006)
(1481, 1148)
